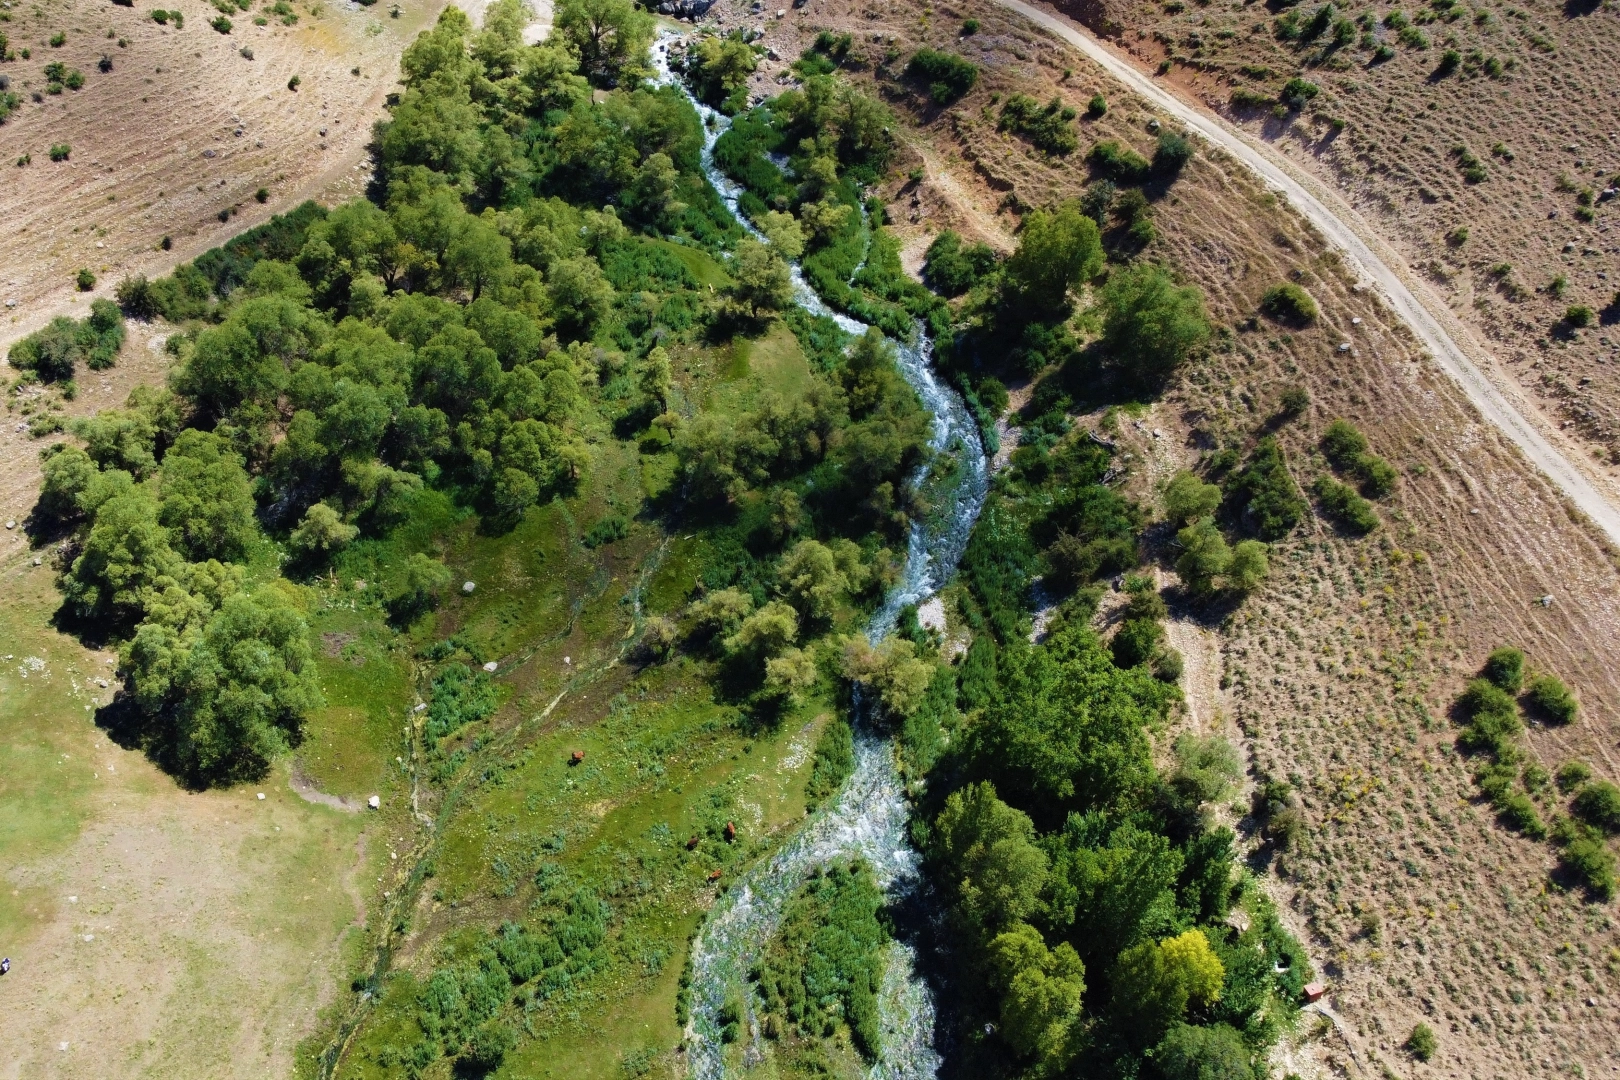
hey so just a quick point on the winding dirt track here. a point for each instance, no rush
(1333, 219)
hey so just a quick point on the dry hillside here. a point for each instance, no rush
(1532, 98)
(1416, 903)
(187, 125)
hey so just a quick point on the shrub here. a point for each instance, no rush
(1505, 668)
(1187, 498)
(1599, 804)
(951, 269)
(60, 151)
(1050, 128)
(222, 24)
(1519, 813)
(1294, 401)
(1422, 1042)
(970, 27)
(1346, 449)
(1588, 858)
(1266, 494)
(1172, 154)
(611, 528)
(949, 76)
(1549, 694)
(1344, 504)
(293, 83)
(1297, 92)
(1245, 98)
(1572, 774)
(1493, 718)
(1579, 316)
(1119, 163)
(1097, 107)
(84, 279)
(1450, 61)
(1290, 304)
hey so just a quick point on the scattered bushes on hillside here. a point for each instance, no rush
(1422, 1042)
(1119, 163)
(1549, 696)
(951, 269)
(949, 77)
(1289, 303)
(1263, 494)
(1049, 128)
(1339, 500)
(1297, 93)
(53, 353)
(1346, 449)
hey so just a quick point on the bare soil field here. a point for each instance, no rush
(1532, 99)
(182, 129)
(1415, 902)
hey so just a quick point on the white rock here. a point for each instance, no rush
(261, 796)
(374, 802)
(568, 660)
(11, 524)
(1344, 346)
(491, 665)
(468, 586)
(420, 705)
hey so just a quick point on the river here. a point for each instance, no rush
(867, 819)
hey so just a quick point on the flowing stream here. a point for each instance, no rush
(867, 818)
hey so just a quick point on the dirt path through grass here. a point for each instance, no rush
(1344, 229)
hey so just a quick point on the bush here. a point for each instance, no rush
(1599, 804)
(611, 528)
(1290, 304)
(84, 279)
(1049, 127)
(970, 27)
(1172, 154)
(417, 588)
(1549, 694)
(949, 76)
(1150, 324)
(1505, 669)
(1588, 858)
(1519, 813)
(222, 24)
(60, 151)
(1297, 92)
(1341, 502)
(1579, 316)
(1493, 718)
(1450, 61)
(1572, 774)
(1119, 163)
(1097, 107)
(1422, 1042)
(1265, 493)
(1346, 448)
(1294, 401)
(951, 269)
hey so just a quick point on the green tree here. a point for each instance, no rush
(1115, 885)
(206, 498)
(1249, 567)
(1041, 990)
(232, 696)
(1505, 668)
(891, 668)
(991, 859)
(322, 532)
(580, 294)
(610, 36)
(654, 376)
(762, 284)
(812, 579)
(1057, 251)
(125, 557)
(1216, 1052)
(784, 233)
(766, 632)
(1150, 325)
(417, 587)
(1187, 498)
(1067, 730)
(67, 473)
(1155, 982)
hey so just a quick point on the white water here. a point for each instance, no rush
(867, 818)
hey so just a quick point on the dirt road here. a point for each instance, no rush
(1334, 220)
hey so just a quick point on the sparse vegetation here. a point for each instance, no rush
(1049, 128)
(1289, 303)
(948, 76)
